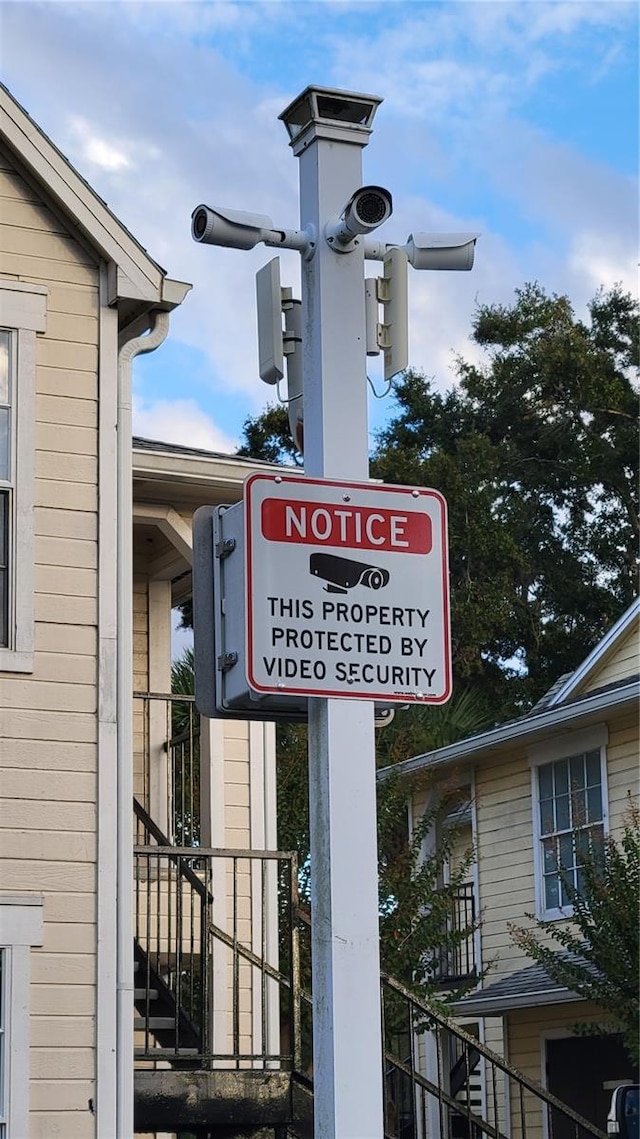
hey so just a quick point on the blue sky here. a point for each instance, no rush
(518, 120)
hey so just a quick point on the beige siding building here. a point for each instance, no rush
(539, 785)
(98, 977)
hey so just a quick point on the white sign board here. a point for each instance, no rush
(347, 590)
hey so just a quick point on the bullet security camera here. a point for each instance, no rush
(343, 573)
(368, 208)
(235, 229)
(441, 250)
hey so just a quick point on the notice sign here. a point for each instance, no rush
(347, 590)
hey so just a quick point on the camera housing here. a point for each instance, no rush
(344, 573)
(234, 229)
(453, 251)
(368, 208)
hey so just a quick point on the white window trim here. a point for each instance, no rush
(20, 929)
(573, 743)
(23, 313)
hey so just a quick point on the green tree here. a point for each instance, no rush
(268, 437)
(416, 904)
(424, 929)
(184, 753)
(599, 954)
(536, 452)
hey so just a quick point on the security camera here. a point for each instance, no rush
(343, 573)
(368, 208)
(441, 250)
(234, 229)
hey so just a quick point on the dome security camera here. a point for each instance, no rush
(367, 209)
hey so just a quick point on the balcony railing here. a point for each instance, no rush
(216, 951)
(167, 762)
(458, 958)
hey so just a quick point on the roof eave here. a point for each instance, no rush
(521, 730)
(599, 654)
(497, 1006)
(138, 276)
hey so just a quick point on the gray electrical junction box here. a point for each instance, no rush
(219, 626)
(219, 599)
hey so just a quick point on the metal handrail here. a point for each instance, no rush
(155, 713)
(162, 841)
(178, 944)
(420, 1016)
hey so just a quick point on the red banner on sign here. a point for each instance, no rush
(345, 526)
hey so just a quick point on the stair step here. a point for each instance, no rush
(154, 1023)
(163, 1053)
(142, 994)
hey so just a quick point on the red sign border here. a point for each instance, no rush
(382, 488)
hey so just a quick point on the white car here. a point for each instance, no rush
(624, 1114)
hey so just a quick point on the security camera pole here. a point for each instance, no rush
(328, 130)
(347, 1044)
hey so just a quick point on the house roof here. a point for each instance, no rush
(161, 448)
(586, 708)
(562, 707)
(134, 275)
(524, 989)
(574, 681)
(169, 471)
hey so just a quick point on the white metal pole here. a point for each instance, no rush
(345, 938)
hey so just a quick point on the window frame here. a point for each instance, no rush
(21, 928)
(593, 738)
(23, 315)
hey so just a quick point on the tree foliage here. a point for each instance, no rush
(184, 753)
(600, 951)
(415, 901)
(420, 936)
(536, 452)
(268, 437)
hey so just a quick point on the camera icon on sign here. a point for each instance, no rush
(343, 573)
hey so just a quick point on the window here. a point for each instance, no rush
(20, 929)
(569, 815)
(3, 1051)
(22, 316)
(7, 384)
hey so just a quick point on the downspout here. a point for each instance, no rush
(124, 759)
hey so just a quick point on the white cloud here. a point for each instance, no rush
(594, 261)
(97, 151)
(191, 124)
(179, 421)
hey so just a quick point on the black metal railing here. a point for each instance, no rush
(440, 1081)
(227, 993)
(457, 961)
(167, 761)
(216, 951)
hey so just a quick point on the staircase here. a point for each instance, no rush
(439, 1081)
(159, 1017)
(428, 1097)
(195, 972)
